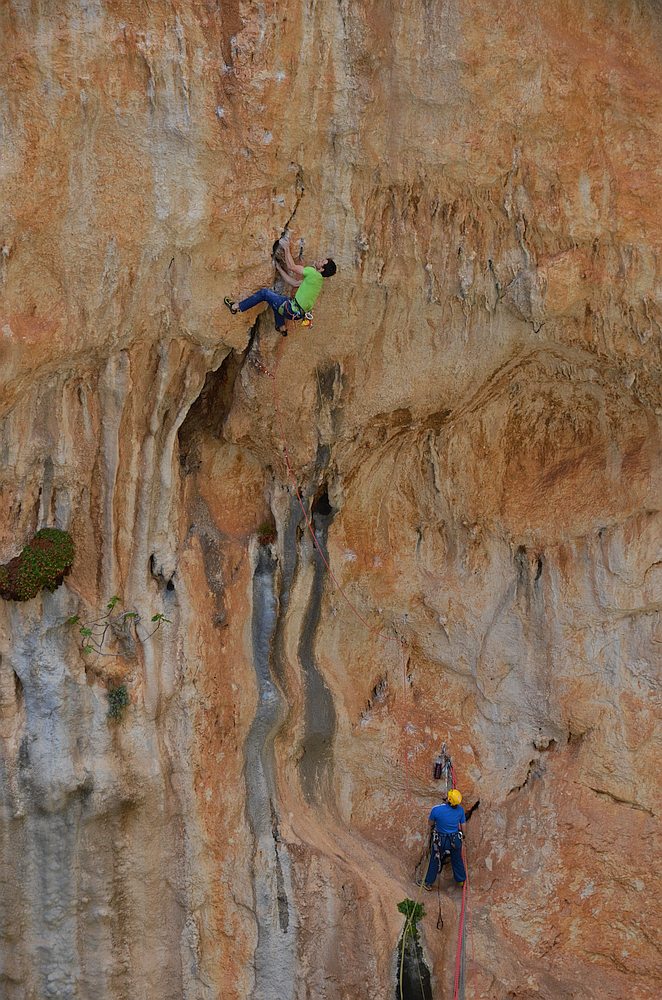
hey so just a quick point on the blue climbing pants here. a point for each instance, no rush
(266, 295)
(443, 842)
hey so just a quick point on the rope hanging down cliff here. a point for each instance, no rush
(459, 976)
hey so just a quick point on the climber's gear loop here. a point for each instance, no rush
(444, 843)
(292, 310)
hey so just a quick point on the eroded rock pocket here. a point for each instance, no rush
(412, 974)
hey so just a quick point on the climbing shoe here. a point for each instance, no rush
(232, 305)
(459, 884)
(423, 885)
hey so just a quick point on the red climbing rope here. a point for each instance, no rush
(463, 911)
(371, 628)
(460, 934)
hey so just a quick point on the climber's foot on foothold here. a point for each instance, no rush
(282, 330)
(232, 305)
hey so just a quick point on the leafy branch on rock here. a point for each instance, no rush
(117, 621)
(413, 912)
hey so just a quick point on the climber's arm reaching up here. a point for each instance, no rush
(287, 277)
(291, 266)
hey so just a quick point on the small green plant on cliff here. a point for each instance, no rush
(413, 912)
(118, 700)
(116, 621)
(42, 565)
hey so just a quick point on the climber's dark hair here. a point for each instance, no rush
(329, 269)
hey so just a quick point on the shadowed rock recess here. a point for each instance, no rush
(474, 424)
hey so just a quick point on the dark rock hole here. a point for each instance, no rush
(322, 504)
(208, 412)
(416, 984)
(327, 379)
(521, 565)
(472, 809)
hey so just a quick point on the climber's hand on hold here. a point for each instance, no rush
(291, 266)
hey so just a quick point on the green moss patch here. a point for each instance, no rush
(42, 565)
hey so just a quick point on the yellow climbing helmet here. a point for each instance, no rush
(454, 797)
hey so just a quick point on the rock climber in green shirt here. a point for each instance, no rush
(308, 282)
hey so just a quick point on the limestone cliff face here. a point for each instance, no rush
(474, 422)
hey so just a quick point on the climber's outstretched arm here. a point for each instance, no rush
(287, 277)
(291, 266)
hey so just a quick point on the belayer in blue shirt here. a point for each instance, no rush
(447, 826)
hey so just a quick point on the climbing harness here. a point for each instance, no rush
(444, 843)
(292, 310)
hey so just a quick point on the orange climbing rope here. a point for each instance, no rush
(272, 375)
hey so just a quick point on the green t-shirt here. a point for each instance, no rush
(309, 289)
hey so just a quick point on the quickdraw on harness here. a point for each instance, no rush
(292, 310)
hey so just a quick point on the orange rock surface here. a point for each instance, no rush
(474, 423)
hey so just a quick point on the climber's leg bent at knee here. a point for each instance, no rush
(274, 299)
(262, 295)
